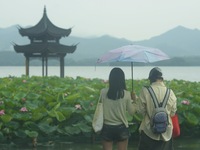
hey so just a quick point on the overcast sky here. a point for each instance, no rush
(130, 19)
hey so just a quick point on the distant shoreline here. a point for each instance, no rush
(102, 72)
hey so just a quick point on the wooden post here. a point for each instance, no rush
(62, 68)
(46, 65)
(42, 66)
(27, 66)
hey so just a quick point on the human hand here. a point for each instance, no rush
(133, 96)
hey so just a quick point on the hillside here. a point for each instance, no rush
(179, 43)
(176, 42)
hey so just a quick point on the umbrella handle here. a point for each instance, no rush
(132, 74)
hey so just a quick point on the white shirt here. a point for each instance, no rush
(115, 111)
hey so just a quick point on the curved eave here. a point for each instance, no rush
(35, 33)
(44, 48)
(61, 48)
(44, 26)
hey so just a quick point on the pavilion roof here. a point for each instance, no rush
(45, 48)
(44, 27)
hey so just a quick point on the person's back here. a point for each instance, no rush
(115, 110)
(116, 102)
(150, 140)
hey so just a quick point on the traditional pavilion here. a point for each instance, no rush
(44, 43)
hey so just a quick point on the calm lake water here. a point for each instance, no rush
(169, 73)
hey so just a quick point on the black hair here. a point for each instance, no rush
(155, 74)
(117, 84)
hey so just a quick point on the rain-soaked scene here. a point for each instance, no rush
(99, 75)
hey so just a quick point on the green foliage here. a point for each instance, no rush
(39, 107)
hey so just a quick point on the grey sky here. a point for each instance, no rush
(130, 19)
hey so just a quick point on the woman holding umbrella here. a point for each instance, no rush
(116, 102)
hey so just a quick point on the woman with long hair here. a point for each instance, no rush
(117, 102)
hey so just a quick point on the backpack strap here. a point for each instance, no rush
(155, 100)
(166, 98)
(153, 96)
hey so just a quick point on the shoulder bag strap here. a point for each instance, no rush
(100, 98)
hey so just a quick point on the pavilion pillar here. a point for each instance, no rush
(27, 66)
(42, 66)
(46, 65)
(62, 68)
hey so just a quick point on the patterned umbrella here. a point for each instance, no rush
(133, 53)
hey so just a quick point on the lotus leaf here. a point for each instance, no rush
(60, 117)
(1, 135)
(46, 128)
(31, 134)
(84, 127)
(88, 118)
(23, 116)
(20, 95)
(20, 133)
(6, 94)
(71, 130)
(191, 118)
(67, 111)
(30, 125)
(71, 99)
(13, 125)
(33, 96)
(6, 118)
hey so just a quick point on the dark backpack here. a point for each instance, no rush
(159, 119)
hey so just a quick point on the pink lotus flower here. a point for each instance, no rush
(78, 106)
(23, 109)
(2, 112)
(24, 81)
(185, 102)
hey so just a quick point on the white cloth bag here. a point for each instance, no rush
(97, 122)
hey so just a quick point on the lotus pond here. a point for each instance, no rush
(41, 111)
(179, 144)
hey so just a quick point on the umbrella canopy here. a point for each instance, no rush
(133, 53)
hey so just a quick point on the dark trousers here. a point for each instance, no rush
(146, 143)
